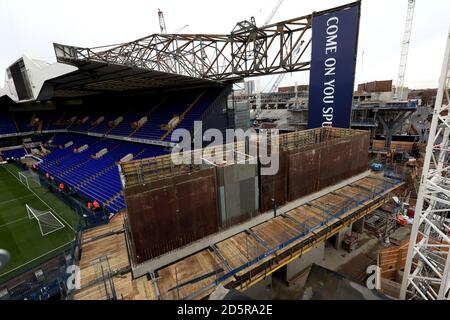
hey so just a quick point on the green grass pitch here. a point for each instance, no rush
(20, 235)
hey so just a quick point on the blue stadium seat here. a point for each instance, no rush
(96, 179)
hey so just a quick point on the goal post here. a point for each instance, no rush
(47, 221)
(29, 178)
(23, 178)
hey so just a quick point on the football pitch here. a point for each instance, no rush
(20, 235)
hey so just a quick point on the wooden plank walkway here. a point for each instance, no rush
(101, 242)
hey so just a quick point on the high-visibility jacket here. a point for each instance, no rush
(89, 205)
(96, 204)
(61, 186)
(47, 175)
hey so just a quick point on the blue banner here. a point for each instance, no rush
(332, 73)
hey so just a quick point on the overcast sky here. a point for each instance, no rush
(32, 26)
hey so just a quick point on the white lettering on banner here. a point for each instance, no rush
(330, 71)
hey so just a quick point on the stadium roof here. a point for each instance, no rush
(94, 77)
(45, 81)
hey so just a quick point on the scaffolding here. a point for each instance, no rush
(427, 270)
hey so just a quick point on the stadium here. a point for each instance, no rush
(94, 207)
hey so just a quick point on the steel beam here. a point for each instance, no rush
(252, 52)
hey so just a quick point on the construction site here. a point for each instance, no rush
(328, 190)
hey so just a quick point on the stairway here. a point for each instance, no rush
(123, 116)
(149, 113)
(111, 200)
(184, 114)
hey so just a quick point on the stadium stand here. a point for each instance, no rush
(14, 153)
(105, 126)
(94, 178)
(97, 178)
(23, 121)
(7, 125)
(187, 121)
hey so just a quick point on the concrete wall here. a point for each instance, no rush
(315, 255)
(238, 193)
(339, 237)
(261, 290)
(358, 226)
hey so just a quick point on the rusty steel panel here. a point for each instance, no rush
(360, 156)
(275, 186)
(302, 175)
(334, 163)
(325, 164)
(198, 214)
(375, 86)
(167, 214)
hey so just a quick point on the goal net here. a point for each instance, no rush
(47, 221)
(30, 179)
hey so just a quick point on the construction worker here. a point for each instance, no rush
(47, 175)
(96, 205)
(89, 205)
(61, 186)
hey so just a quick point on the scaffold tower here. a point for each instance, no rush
(427, 269)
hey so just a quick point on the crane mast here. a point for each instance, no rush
(272, 13)
(162, 22)
(280, 77)
(405, 48)
(268, 19)
(427, 269)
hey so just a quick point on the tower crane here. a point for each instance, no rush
(272, 13)
(162, 22)
(266, 22)
(181, 28)
(427, 269)
(405, 48)
(163, 29)
(280, 77)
